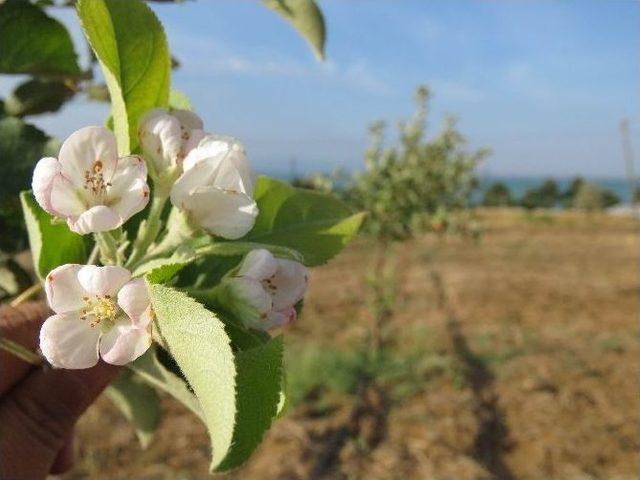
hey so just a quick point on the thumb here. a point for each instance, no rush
(37, 416)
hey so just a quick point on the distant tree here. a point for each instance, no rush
(422, 184)
(546, 195)
(636, 195)
(566, 197)
(592, 197)
(498, 195)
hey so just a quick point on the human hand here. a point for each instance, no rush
(40, 406)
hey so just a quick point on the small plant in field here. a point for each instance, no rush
(159, 248)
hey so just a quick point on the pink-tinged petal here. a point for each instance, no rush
(259, 264)
(223, 213)
(290, 282)
(67, 341)
(123, 344)
(64, 292)
(280, 318)
(103, 280)
(87, 150)
(129, 192)
(248, 291)
(97, 219)
(65, 199)
(133, 298)
(42, 183)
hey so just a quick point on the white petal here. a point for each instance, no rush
(259, 264)
(80, 152)
(226, 214)
(187, 183)
(123, 344)
(64, 292)
(44, 173)
(133, 298)
(97, 219)
(222, 152)
(251, 292)
(69, 342)
(210, 148)
(66, 200)
(280, 318)
(160, 138)
(103, 280)
(189, 120)
(290, 283)
(129, 192)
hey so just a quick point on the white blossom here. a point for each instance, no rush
(99, 312)
(265, 289)
(88, 185)
(166, 138)
(216, 188)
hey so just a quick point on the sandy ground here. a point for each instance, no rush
(514, 357)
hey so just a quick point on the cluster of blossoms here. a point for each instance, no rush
(101, 311)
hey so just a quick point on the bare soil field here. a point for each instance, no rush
(512, 357)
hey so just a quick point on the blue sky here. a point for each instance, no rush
(543, 83)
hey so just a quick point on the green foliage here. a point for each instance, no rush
(498, 195)
(21, 146)
(305, 17)
(52, 244)
(138, 402)
(418, 185)
(196, 339)
(37, 96)
(32, 42)
(546, 195)
(149, 368)
(590, 197)
(130, 44)
(238, 393)
(317, 225)
(259, 378)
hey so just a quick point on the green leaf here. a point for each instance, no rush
(305, 16)
(149, 368)
(51, 244)
(161, 270)
(131, 46)
(259, 378)
(32, 42)
(21, 146)
(230, 249)
(316, 224)
(196, 339)
(138, 402)
(37, 96)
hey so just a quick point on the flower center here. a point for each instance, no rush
(94, 181)
(269, 286)
(101, 308)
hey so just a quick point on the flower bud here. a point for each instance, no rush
(264, 290)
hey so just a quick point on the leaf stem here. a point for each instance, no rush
(26, 295)
(93, 258)
(108, 248)
(19, 351)
(148, 231)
